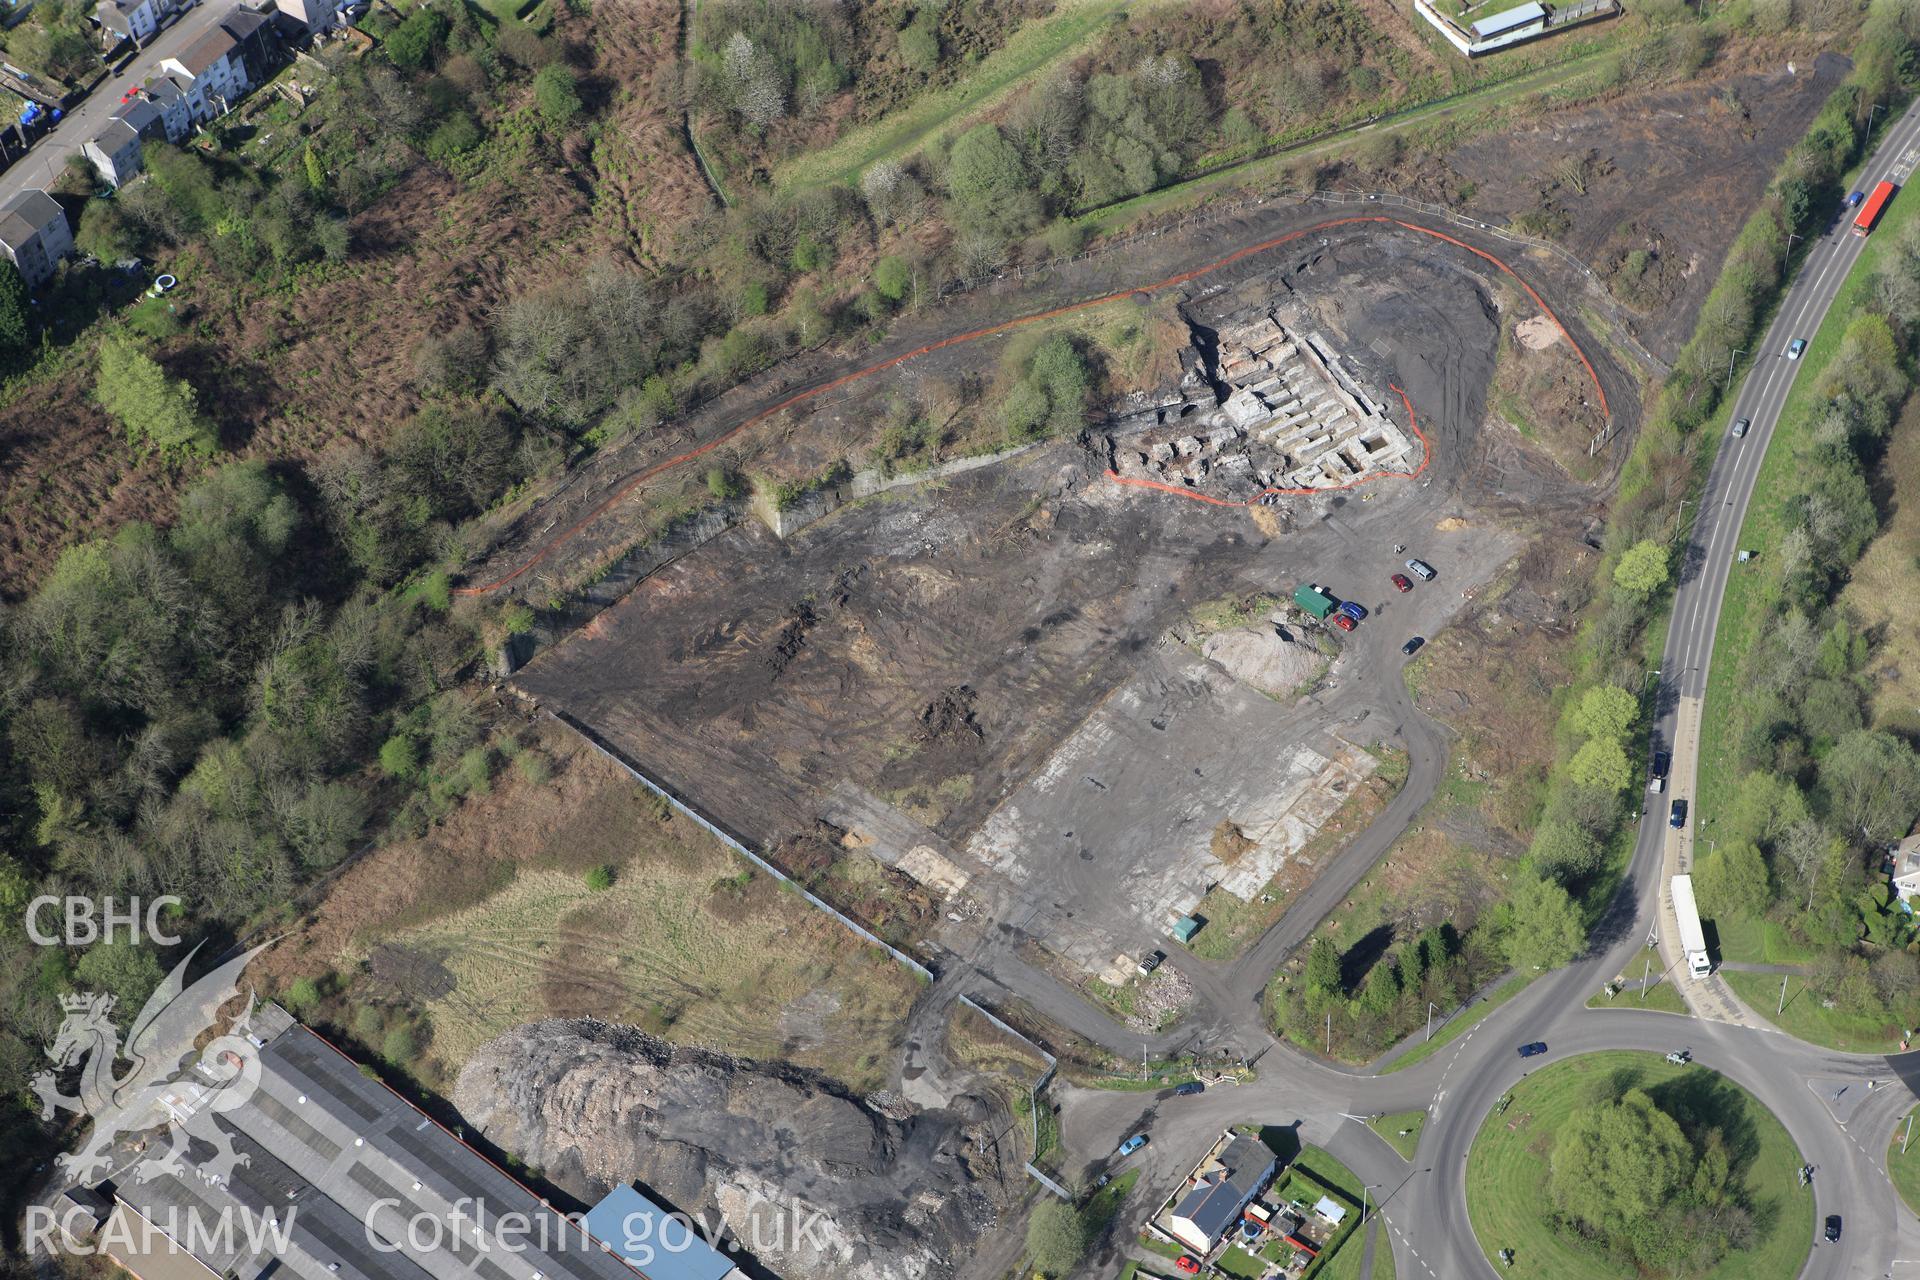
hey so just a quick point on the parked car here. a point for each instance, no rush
(1341, 620)
(1740, 426)
(1422, 570)
(1677, 815)
(1796, 348)
(1412, 646)
(1533, 1050)
(1402, 582)
(1662, 761)
(1133, 1144)
(1185, 1263)
(1833, 1227)
(1190, 1088)
(1151, 961)
(1357, 612)
(1656, 784)
(1680, 1057)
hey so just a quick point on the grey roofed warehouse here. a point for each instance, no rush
(360, 1184)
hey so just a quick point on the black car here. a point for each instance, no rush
(1833, 1228)
(1677, 816)
(1533, 1050)
(1190, 1088)
(1662, 761)
(1412, 646)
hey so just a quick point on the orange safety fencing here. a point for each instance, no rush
(973, 335)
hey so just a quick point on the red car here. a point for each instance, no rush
(1187, 1264)
(1341, 621)
(1402, 582)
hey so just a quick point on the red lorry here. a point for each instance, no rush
(1870, 211)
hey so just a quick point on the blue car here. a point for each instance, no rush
(1190, 1088)
(1533, 1050)
(1133, 1144)
(1354, 611)
(1853, 201)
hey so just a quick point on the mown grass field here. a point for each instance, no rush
(1664, 996)
(1750, 587)
(1507, 1169)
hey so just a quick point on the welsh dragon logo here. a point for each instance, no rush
(168, 1084)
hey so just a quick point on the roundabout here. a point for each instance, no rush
(1583, 1161)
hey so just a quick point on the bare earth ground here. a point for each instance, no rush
(975, 676)
(1673, 172)
(486, 923)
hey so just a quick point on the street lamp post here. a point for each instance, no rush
(1791, 237)
(1876, 109)
(1431, 1006)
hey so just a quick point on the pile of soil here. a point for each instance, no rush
(770, 1158)
(1260, 656)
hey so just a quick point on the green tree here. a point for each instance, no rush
(1564, 852)
(891, 277)
(1605, 711)
(1642, 569)
(556, 91)
(1544, 929)
(302, 995)
(1616, 1165)
(1383, 986)
(1873, 782)
(920, 42)
(106, 232)
(989, 184)
(157, 412)
(1601, 763)
(1322, 976)
(316, 170)
(400, 756)
(1057, 1237)
(126, 971)
(600, 878)
(1733, 881)
(16, 324)
(412, 43)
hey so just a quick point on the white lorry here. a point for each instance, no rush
(1692, 940)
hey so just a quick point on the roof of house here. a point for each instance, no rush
(113, 15)
(1513, 19)
(22, 217)
(206, 51)
(242, 23)
(638, 1229)
(1228, 1182)
(140, 115)
(345, 1163)
(115, 134)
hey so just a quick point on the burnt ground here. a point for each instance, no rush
(1674, 177)
(905, 667)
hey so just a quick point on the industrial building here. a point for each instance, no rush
(352, 1181)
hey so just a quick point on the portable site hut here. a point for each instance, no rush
(1510, 23)
(1184, 928)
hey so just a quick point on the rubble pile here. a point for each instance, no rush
(1288, 414)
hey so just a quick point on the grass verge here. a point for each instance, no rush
(1805, 1018)
(1903, 1167)
(1663, 997)
(1461, 1023)
(1507, 1168)
(1401, 1129)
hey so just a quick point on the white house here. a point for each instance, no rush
(314, 16)
(166, 96)
(1906, 867)
(115, 150)
(212, 74)
(34, 234)
(135, 20)
(1222, 1187)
